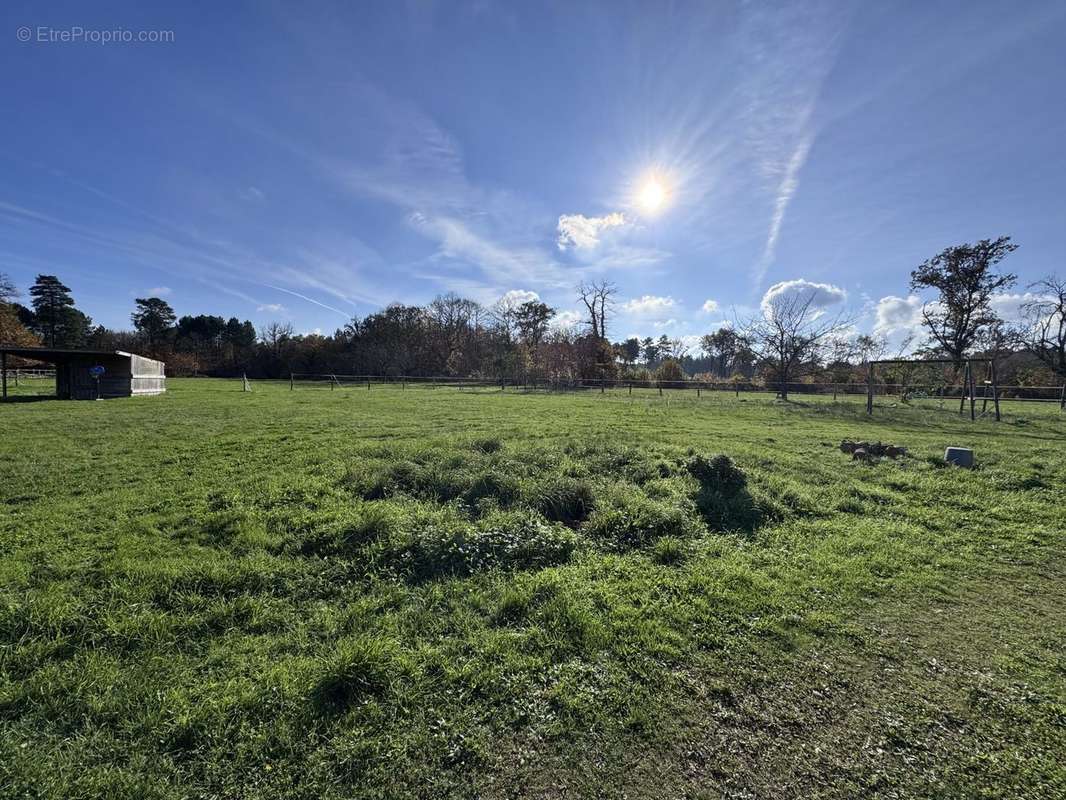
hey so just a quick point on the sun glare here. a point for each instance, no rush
(652, 195)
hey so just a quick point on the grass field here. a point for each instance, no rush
(435, 593)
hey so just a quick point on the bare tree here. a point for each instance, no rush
(451, 317)
(598, 299)
(1044, 330)
(275, 334)
(791, 335)
(870, 347)
(504, 313)
(965, 278)
(678, 349)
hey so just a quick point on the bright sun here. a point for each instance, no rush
(651, 196)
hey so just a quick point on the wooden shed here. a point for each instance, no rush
(93, 374)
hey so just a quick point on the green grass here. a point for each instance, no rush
(434, 592)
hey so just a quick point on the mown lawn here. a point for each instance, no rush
(435, 593)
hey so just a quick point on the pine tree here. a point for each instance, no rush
(52, 304)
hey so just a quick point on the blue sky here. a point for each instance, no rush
(308, 162)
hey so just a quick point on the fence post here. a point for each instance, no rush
(601, 387)
(870, 388)
(290, 381)
(660, 390)
(1062, 398)
(368, 383)
(965, 387)
(697, 391)
(973, 393)
(3, 374)
(995, 389)
(16, 377)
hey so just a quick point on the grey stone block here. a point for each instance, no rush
(959, 456)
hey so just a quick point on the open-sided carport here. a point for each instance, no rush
(92, 374)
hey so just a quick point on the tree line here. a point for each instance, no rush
(791, 339)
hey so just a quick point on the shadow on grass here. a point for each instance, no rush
(723, 499)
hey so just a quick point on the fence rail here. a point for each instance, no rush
(15, 375)
(1046, 394)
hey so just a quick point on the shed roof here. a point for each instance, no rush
(61, 354)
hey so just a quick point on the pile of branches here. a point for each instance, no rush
(864, 451)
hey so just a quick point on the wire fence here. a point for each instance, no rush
(332, 381)
(21, 382)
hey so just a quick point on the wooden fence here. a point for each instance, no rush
(332, 381)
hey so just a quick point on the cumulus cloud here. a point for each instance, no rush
(820, 295)
(895, 314)
(565, 320)
(159, 291)
(273, 308)
(649, 305)
(581, 232)
(666, 323)
(710, 306)
(516, 297)
(1009, 306)
(694, 342)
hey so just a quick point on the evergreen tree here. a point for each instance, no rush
(52, 304)
(153, 319)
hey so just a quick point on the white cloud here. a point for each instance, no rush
(820, 295)
(506, 265)
(694, 343)
(786, 191)
(517, 297)
(579, 231)
(710, 306)
(273, 308)
(895, 314)
(253, 193)
(565, 320)
(649, 305)
(159, 291)
(666, 323)
(1009, 306)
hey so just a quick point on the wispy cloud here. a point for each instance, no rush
(789, 54)
(501, 264)
(307, 299)
(579, 231)
(786, 191)
(271, 308)
(159, 291)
